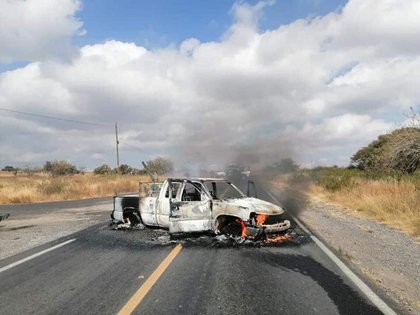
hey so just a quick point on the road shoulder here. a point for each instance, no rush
(27, 229)
(384, 255)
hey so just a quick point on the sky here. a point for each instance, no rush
(204, 83)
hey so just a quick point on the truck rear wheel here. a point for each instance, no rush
(132, 215)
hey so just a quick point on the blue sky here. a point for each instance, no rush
(160, 23)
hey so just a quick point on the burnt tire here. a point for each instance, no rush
(132, 215)
(232, 228)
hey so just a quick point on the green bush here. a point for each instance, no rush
(334, 179)
(9, 168)
(124, 169)
(58, 168)
(104, 169)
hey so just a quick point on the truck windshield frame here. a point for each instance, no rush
(222, 190)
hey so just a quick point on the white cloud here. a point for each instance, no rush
(315, 89)
(37, 29)
(388, 27)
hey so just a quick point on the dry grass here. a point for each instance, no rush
(43, 187)
(395, 203)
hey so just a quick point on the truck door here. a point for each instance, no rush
(148, 193)
(192, 211)
(162, 204)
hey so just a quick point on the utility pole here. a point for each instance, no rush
(117, 142)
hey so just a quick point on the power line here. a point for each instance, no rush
(72, 121)
(53, 118)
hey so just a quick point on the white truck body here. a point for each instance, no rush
(198, 205)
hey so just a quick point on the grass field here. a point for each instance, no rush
(43, 187)
(394, 201)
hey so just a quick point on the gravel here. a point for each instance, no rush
(385, 255)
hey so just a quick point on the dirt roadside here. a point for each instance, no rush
(385, 255)
(24, 231)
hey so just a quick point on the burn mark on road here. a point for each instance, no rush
(161, 237)
(338, 291)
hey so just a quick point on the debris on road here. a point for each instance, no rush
(163, 237)
(128, 226)
(3, 216)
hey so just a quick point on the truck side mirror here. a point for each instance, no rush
(254, 188)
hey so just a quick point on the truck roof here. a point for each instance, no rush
(127, 194)
(199, 179)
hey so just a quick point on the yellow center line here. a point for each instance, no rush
(136, 299)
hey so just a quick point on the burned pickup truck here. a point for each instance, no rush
(184, 205)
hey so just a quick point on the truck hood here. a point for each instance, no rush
(244, 206)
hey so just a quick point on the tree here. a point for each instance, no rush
(395, 151)
(160, 166)
(60, 167)
(8, 168)
(370, 157)
(124, 169)
(104, 169)
(403, 151)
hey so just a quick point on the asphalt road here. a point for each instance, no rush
(102, 269)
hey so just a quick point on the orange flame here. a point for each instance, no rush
(261, 218)
(243, 227)
(277, 238)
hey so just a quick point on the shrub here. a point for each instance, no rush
(160, 166)
(57, 168)
(335, 179)
(104, 169)
(8, 168)
(124, 169)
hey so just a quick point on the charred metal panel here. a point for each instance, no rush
(177, 226)
(148, 193)
(193, 212)
(243, 207)
(275, 228)
(149, 189)
(190, 209)
(148, 210)
(122, 202)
